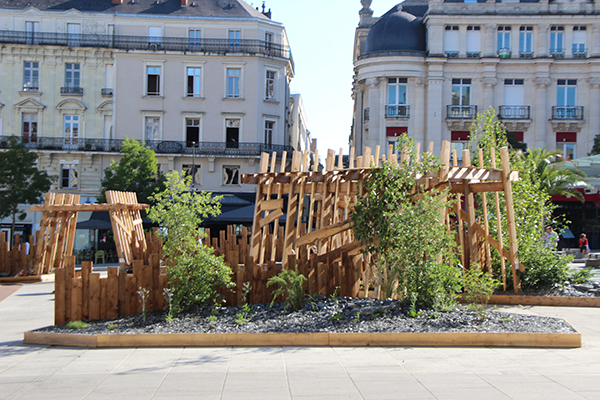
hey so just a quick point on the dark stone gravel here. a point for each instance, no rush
(323, 314)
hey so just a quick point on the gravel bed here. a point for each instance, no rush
(323, 314)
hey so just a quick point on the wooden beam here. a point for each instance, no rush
(323, 233)
(499, 221)
(510, 218)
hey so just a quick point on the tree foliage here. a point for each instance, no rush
(136, 172)
(194, 271)
(596, 146)
(21, 182)
(532, 206)
(404, 232)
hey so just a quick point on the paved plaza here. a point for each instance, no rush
(44, 372)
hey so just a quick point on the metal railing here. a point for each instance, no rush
(397, 111)
(37, 142)
(514, 112)
(183, 44)
(106, 92)
(567, 112)
(461, 111)
(71, 90)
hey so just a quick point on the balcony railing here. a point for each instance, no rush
(567, 112)
(467, 112)
(182, 44)
(106, 92)
(33, 86)
(557, 53)
(159, 146)
(514, 112)
(397, 111)
(525, 54)
(71, 90)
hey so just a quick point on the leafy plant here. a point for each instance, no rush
(195, 273)
(543, 268)
(168, 294)
(356, 318)
(478, 286)
(76, 325)
(212, 319)
(580, 276)
(143, 293)
(241, 318)
(112, 326)
(289, 285)
(404, 233)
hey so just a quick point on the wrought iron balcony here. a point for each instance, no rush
(33, 86)
(106, 92)
(514, 112)
(397, 111)
(71, 90)
(557, 53)
(159, 146)
(567, 112)
(526, 54)
(467, 112)
(473, 54)
(579, 53)
(181, 44)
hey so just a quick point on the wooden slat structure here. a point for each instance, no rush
(318, 204)
(15, 261)
(59, 219)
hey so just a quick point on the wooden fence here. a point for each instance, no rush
(15, 260)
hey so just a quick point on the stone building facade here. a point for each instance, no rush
(427, 67)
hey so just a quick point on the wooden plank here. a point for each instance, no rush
(256, 231)
(488, 255)
(470, 206)
(86, 270)
(69, 266)
(88, 207)
(131, 287)
(59, 297)
(76, 300)
(270, 218)
(323, 233)
(271, 205)
(103, 297)
(94, 296)
(112, 293)
(499, 221)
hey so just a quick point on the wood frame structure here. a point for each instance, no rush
(56, 236)
(323, 227)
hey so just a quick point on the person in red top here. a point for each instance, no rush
(584, 245)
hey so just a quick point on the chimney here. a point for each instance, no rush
(117, 1)
(183, 3)
(266, 14)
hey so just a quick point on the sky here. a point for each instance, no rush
(321, 36)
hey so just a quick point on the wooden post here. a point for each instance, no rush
(488, 254)
(470, 203)
(255, 243)
(499, 223)
(510, 218)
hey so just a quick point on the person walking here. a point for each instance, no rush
(584, 245)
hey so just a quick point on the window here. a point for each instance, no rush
(231, 175)
(513, 92)
(232, 133)
(192, 132)
(69, 176)
(192, 170)
(195, 38)
(503, 40)
(566, 92)
(566, 142)
(70, 131)
(270, 85)
(193, 81)
(451, 41)
(234, 39)
(72, 75)
(269, 130)
(73, 35)
(461, 92)
(396, 97)
(153, 81)
(459, 141)
(31, 29)
(526, 41)
(556, 39)
(151, 129)
(31, 76)
(154, 36)
(233, 82)
(579, 41)
(29, 127)
(473, 41)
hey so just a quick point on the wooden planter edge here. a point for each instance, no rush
(545, 300)
(457, 339)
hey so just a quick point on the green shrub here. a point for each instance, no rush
(290, 285)
(543, 268)
(76, 325)
(478, 286)
(580, 276)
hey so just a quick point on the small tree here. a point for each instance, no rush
(20, 181)
(194, 271)
(136, 172)
(596, 146)
(405, 233)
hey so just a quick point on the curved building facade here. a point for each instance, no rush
(427, 67)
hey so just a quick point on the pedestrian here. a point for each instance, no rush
(584, 245)
(550, 238)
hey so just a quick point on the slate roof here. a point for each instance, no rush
(205, 8)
